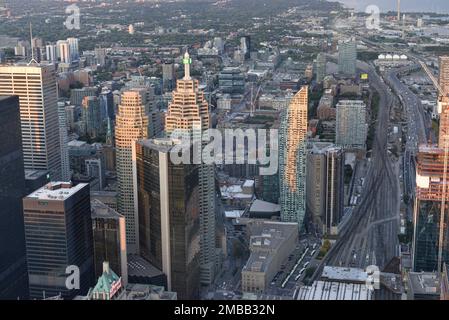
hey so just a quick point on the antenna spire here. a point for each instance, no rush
(187, 61)
(32, 45)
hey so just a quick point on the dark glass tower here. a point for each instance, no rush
(168, 207)
(13, 274)
(58, 234)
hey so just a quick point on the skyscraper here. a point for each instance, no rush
(109, 238)
(58, 234)
(36, 87)
(351, 127)
(131, 124)
(444, 75)
(64, 51)
(321, 62)
(91, 115)
(292, 159)
(430, 222)
(189, 111)
(347, 57)
(13, 272)
(169, 216)
(63, 141)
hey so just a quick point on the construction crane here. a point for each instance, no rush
(253, 100)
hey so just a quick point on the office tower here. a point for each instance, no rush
(77, 95)
(2, 56)
(351, 127)
(109, 238)
(100, 56)
(51, 54)
(13, 272)
(131, 29)
(36, 87)
(63, 141)
(321, 62)
(91, 115)
(64, 52)
(168, 76)
(131, 124)
(231, 80)
(73, 48)
(429, 224)
(347, 57)
(95, 169)
(169, 215)
(292, 159)
(58, 234)
(107, 104)
(189, 111)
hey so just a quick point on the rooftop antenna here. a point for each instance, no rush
(32, 46)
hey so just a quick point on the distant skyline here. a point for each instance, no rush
(437, 6)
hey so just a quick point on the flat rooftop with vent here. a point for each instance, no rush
(56, 191)
(270, 244)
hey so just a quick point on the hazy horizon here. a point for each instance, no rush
(437, 6)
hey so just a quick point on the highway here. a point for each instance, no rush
(370, 237)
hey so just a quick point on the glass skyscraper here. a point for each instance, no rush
(58, 234)
(292, 159)
(13, 276)
(169, 215)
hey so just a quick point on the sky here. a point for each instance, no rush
(438, 6)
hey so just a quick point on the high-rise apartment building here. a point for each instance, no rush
(320, 67)
(73, 48)
(444, 75)
(189, 112)
(292, 159)
(347, 57)
(351, 126)
(109, 238)
(169, 215)
(13, 271)
(63, 141)
(58, 238)
(131, 124)
(51, 53)
(36, 87)
(64, 51)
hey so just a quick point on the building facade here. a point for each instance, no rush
(188, 113)
(351, 127)
(58, 237)
(131, 124)
(36, 87)
(169, 215)
(292, 159)
(13, 272)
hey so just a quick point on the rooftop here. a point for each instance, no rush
(139, 267)
(264, 206)
(56, 191)
(344, 274)
(100, 210)
(327, 290)
(424, 283)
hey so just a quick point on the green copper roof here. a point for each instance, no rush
(105, 282)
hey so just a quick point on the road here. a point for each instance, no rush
(371, 234)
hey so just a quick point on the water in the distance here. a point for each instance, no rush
(437, 6)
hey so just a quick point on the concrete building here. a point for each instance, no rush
(444, 75)
(169, 216)
(63, 141)
(351, 126)
(13, 274)
(270, 244)
(189, 110)
(131, 124)
(347, 57)
(292, 159)
(109, 239)
(58, 234)
(35, 85)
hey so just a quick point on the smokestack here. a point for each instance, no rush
(399, 10)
